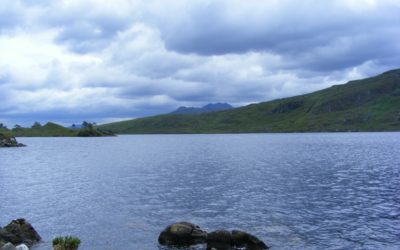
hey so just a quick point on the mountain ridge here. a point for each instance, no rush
(211, 107)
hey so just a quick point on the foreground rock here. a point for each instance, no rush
(19, 232)
(9, 141)
(181, 234)
(185, 233)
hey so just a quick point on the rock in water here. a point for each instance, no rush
(19, 232)
(9, 141)
(181, 234)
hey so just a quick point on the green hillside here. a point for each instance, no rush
(371, 104)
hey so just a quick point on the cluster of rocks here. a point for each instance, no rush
(18, 235)
(186, 234)
(9, 141)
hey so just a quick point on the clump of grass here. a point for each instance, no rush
(66, 243)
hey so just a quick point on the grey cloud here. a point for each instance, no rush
(84, 30)
(4, 79)
(296, 31)
(11, 15)
(176, 90)
(159, 64)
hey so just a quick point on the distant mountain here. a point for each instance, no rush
(211, 107)
(371, 104)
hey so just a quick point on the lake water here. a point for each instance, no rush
(294, 191)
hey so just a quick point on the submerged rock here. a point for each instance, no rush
(19, 232)
(9, 141)
(182, 233)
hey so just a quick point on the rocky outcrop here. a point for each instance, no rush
(19, 232)
(185, 233)
(9, 141)
(181, 234)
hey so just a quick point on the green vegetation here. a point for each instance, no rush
(66, 243)
(372, 104)
(54, 130)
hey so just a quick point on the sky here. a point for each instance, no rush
(68, 61)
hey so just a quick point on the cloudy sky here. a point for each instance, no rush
(101, 60)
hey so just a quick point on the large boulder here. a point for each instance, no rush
(181, 234)
(19, 232)
(226, 240)
(9, 141)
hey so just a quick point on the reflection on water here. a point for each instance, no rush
(310, 191)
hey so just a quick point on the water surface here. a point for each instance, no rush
(294, 191)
